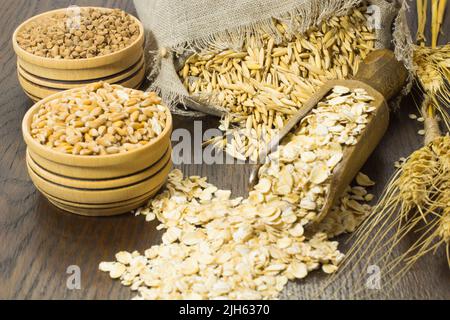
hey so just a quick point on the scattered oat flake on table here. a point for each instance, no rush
(364, 180)
(329, 268)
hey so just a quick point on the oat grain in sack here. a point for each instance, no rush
(256, 62)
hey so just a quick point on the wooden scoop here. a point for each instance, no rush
(382, 76)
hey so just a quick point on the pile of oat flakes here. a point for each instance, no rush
(216, 247)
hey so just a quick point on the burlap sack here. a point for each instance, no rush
(178, 26)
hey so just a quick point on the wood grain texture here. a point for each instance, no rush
(38, 242)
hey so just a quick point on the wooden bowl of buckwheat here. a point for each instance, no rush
(69, 48)
(98, 150)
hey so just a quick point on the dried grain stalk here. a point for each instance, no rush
(432, 70)
(417, 198)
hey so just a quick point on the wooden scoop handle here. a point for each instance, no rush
(383, 72)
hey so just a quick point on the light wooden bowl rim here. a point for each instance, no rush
(86, 161)
(73, 64)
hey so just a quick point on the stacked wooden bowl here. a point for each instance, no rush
(98, 185)
(41, 77)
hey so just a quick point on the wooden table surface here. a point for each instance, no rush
(39, 242)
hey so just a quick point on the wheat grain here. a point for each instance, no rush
(99, 119)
